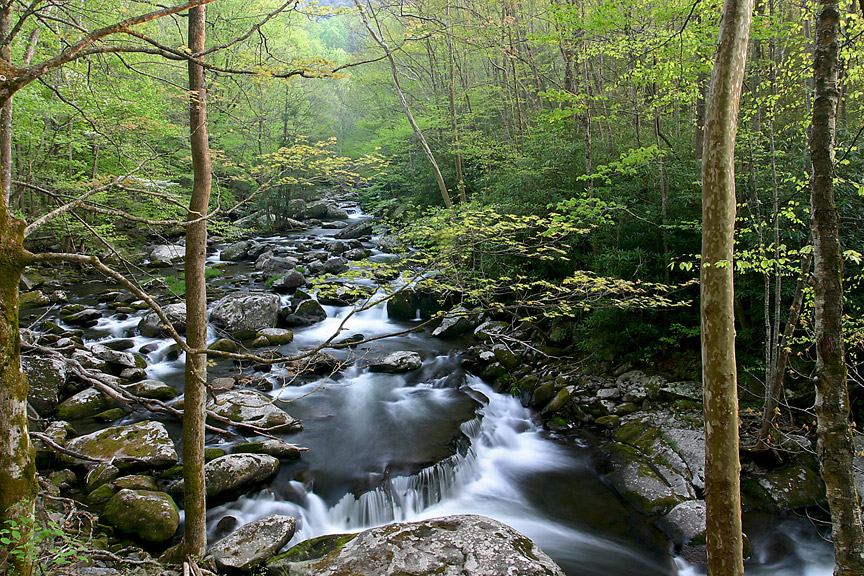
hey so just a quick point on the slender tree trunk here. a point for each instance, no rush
(835, 444)
(442, 186)
(18, 487)
(719, 373)
(194, 495)
(451, 93)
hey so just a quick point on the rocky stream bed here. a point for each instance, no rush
(418, 451)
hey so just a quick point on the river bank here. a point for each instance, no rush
(388, 438)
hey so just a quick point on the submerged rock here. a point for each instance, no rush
(253, 543)
(464, 545)
(150, 516)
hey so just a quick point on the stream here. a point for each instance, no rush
(439, 441)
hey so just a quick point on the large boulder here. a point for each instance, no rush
(254, 543)
(289, 281)
(341, 294)
(355, 230)
(151, 326)
(456, 321)
(242, 312)
(237, 251)
(152, 389)
(636, 386)
(139, 445)
(229, 473)
(316, 210)
(254, 408)
(116, 358)
(402, 361)
(275, 265)
(272, 446)
(167, 253)
(465, 545)
(307, 312)
(144, 514)
(46, 376)
(84, 404)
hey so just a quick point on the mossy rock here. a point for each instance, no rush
(143, 514)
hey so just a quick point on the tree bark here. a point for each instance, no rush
(719, 373)
(194, 496)
(835, 444)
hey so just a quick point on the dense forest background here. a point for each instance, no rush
(568, 134)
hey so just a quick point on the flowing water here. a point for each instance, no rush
(439, 441)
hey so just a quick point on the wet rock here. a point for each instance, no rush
(116, 358)
(153, 389)
(47, 376)
(86, 403)
(276, 336)
(253, 543)
(223, 345)
(455, 322)
(395, 362)
(402, 305)
(101, 495)
(236, 252)
(120, 345)
(317, 210)
(143, 514)
(271, 446)
(685, 523)
(141, 445)
(336, 265)
(355, 254)
(450, 546)
(506, 357)
(559, 401)
(289, 281)
(246, 312)
(234, 471)
(151, 326)
(640, 484)
(271, 266)
(355, 230)
(86, 318)
(486, 330)
(318, 363)
(797, 485)
(251, 407)
(334, 213)
(308, 312)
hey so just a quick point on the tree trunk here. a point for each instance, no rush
(835, 445)
(194, 496)
(442, 186)
(719, 374)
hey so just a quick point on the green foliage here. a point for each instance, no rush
(49, 545)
